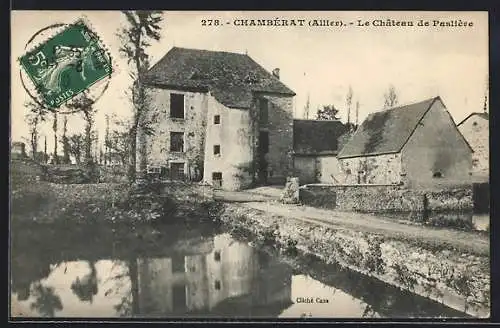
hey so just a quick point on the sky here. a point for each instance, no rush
(317, 62)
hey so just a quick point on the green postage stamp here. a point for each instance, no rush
(67, 64)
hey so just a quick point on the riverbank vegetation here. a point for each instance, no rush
(43, 201)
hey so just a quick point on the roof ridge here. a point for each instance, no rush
(206, 50)
(408, 104)
(223, 72)
(370, 133)
(471, 114)
(316, 120)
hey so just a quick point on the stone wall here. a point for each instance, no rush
(381, 169)
(373, 198)
(457, 278)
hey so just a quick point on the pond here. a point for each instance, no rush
(187, 270)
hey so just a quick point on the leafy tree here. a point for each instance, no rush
(75, 146)
(34, 118)
(391, 97)
(328, 112)
(85, 104)
(119, 144)
(142, 26)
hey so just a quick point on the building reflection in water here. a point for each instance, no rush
(197, 276)
(233, 279)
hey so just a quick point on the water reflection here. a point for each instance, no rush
(196, 272)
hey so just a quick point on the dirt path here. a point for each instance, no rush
(465, 241)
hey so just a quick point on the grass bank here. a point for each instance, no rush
(40, 201)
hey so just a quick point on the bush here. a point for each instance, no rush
(373, 257)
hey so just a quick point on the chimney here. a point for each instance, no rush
(276, 73)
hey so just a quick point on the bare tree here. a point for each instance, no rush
(106, 142)
(391, 97)
(34, 118)
(45, 155)
(357, 113)
(348, 100)
(65, 144)
(142, 26)
(307, 107)
(54, 128)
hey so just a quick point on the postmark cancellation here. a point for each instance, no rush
(68, 63)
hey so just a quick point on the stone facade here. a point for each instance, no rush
(436, 155)
(475, 129)
(305, 168)
(318, 168)
(381, 169)
(233, 135)
(280, 128)
(157, 148)
(18, 150)
(219, 143)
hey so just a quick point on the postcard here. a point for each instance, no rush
(216, 165)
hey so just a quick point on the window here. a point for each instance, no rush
(154, 169)
(216, 149)
(217, 256)
(176, 105)
(437, 175)
(177, 141)
(217, 119)
(264, 142)
(475, 123)
(177, 171)
(217, 285)
(217, 179)
(178, 263)
(264, 111)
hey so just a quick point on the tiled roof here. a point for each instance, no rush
(314, 137)
(386, 131)
(482, 115)
(231, 77)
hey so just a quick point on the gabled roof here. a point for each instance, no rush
(386, 131)
(482, 115)
(230, 77)
(315, 137)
